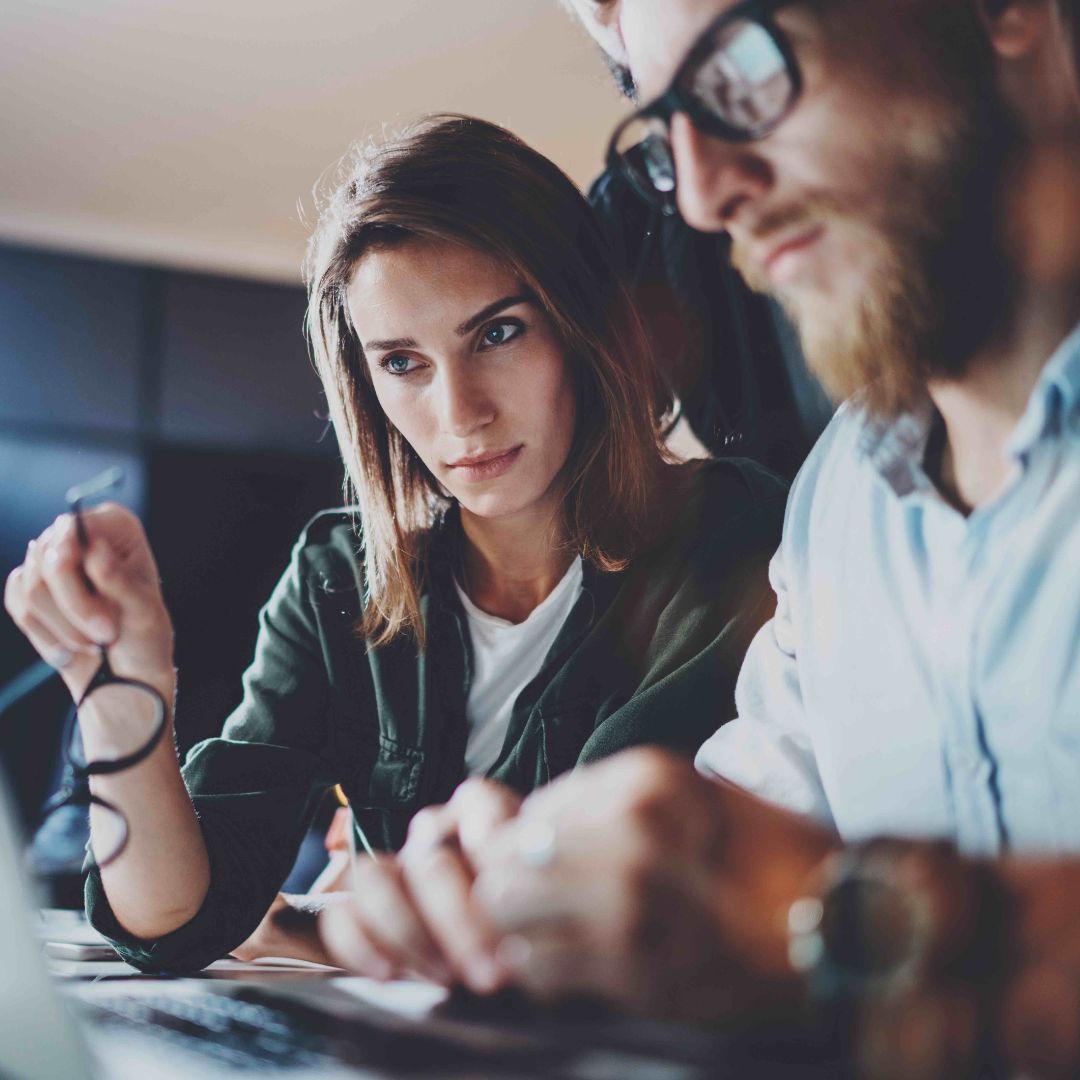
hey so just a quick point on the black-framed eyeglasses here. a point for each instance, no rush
(739, 80)
(137, 712)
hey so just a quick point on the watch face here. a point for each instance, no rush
(869, 928)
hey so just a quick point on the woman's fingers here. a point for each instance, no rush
(62, 568)
(117, 532)
(48, 647)
(384, 908)
(51, 585)
(32, 608)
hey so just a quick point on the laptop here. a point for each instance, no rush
(332, 1029)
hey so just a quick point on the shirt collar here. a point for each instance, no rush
(1054, 401)
(896, 449)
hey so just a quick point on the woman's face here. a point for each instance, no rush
(466, 365)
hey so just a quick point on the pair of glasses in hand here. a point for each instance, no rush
(129, 718)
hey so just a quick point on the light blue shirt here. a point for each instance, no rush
(921, 676)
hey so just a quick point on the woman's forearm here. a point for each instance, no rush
(159, 881)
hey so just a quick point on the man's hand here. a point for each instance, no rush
(641, 882)
(415, 912)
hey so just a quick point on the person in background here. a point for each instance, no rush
(730, 358)
(902, 175)
(523, 583)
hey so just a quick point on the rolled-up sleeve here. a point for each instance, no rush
(768, 749)
(255, 788)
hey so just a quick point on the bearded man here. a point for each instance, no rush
(902, 175)
(729, 358)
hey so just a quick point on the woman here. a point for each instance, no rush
(522, 584)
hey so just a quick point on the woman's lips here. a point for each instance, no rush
(487, 468)
(782, 263)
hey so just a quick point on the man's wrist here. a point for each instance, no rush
(1038, 1021)
(881, 918)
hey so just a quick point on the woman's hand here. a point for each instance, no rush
(68, 601)
(288, 929)
(415, 912)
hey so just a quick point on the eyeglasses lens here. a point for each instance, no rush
(124, 719)
(645, 151)
(742, 88)
(744, 81)
(109, 833)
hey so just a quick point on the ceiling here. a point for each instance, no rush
(191, 132)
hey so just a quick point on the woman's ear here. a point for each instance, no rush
(1016, 28)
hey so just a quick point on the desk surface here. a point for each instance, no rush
(583, 1041)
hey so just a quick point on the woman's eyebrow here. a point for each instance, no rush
(474, 321)
(389, 343)
(471, 323)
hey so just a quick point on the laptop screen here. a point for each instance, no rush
(38, 1040)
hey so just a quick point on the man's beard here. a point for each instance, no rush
(938, 281)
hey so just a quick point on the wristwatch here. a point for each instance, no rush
(863, 927)
(878, 917)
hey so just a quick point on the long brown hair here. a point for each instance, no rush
(458, 179)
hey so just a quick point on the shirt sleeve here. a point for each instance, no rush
(255, 789)
(767, 749)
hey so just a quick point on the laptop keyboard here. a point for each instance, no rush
(234, 1032)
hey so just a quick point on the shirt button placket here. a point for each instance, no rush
(979, 821)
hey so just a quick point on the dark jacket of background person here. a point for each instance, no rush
(647, 655)
(729, 355)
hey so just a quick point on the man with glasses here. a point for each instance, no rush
(903, 176)
(730, 358)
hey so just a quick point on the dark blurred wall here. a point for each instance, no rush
(201, 388)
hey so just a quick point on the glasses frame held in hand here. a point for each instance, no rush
(651, 158)
(76, 786)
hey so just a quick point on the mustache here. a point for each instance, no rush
(789, 217)
(808, 211)
(793, 218)
(756, 237)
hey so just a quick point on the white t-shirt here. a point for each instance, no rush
(506, 658)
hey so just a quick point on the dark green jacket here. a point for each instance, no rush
(647, 655)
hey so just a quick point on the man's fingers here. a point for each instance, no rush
(482, 808)
(387, 912)
(475, 812)
(349, 944)
(441, 884)
(557, 961)
(515, 897)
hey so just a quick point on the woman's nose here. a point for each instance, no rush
(464, 404)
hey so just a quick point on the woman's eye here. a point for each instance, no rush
(500, 333)
(398, 365)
